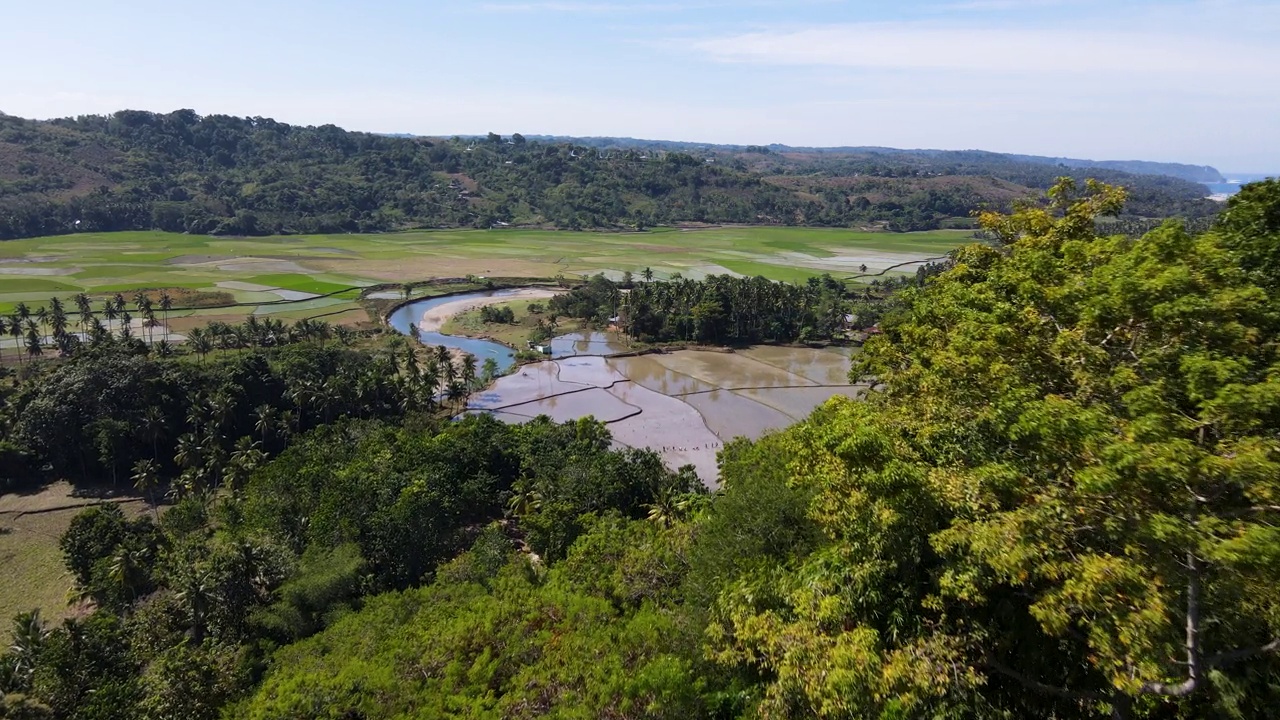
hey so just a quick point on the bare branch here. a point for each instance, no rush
(1039, 686)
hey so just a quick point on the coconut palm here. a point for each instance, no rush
(265, 416)
(456, 393)
(469, 368)
(189, 453)
(146, 479)
(489, 373)
(221, 408)
(153, 424)
(166, 304)
(126, 326)
(15, 332)
(33, 340)
(86, 311)
(245, 458)
(524, 504)
(128, 570)
(199, 341)
(42, 317)
(197, 588)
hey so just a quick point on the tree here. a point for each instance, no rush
(145, 480)
(647, 274)
(1062, 500)
(28, 638)
(33, 341)
(200, 342)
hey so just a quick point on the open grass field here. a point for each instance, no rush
(258, 270)
(30, 527)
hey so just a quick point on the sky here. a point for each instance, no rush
(1176, 80)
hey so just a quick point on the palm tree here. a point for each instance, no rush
(42, 317)
(15, 332)
(150, 322)
(665, 510)
(221, 410)
(33, 340)
(4, 329)
(166, 304)
(197, 590)
(86, 311)
(469, 372)
(127, 570)
(146, 479)
(647, 274)
(199, 341)
(245, 458)
(490, 371)
(98, 332)
(265, 420)
(456, 393)
(126, 326)
(153, 422)
(28, 639)
(189, 453)
(524, 504)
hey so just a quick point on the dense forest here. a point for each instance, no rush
(226, 175)
(1061, 500)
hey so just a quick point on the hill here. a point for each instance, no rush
(1191, 173)
(227, 175)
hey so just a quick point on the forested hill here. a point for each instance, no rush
(1190, 173)
(251, 176)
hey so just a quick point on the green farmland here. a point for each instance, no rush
(252, 271)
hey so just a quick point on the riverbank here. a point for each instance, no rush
(434, 318)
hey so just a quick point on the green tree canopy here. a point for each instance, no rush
(1063, 501)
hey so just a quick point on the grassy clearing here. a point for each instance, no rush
(470, 324)
(32, 562)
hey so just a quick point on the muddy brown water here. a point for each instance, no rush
(684, 405)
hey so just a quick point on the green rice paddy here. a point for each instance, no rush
(259, 270)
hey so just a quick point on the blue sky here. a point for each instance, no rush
(1179, 80)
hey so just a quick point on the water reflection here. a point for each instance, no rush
(684, 405)
(594, 343)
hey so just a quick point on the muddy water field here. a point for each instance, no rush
(684, 405)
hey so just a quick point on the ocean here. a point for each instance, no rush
(1235, 180)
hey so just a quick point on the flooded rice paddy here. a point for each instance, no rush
(684, 405)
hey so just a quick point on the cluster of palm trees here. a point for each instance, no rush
(49, 325)
(719, 309)
(256, 333)
(441, 382)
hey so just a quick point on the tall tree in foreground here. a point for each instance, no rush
(1065, 502)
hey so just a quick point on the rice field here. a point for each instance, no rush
(683, 405)
(295, 268)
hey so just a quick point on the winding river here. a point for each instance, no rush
(411, 313)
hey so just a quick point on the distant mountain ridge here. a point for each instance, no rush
(1192, 173)
(227, 175)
